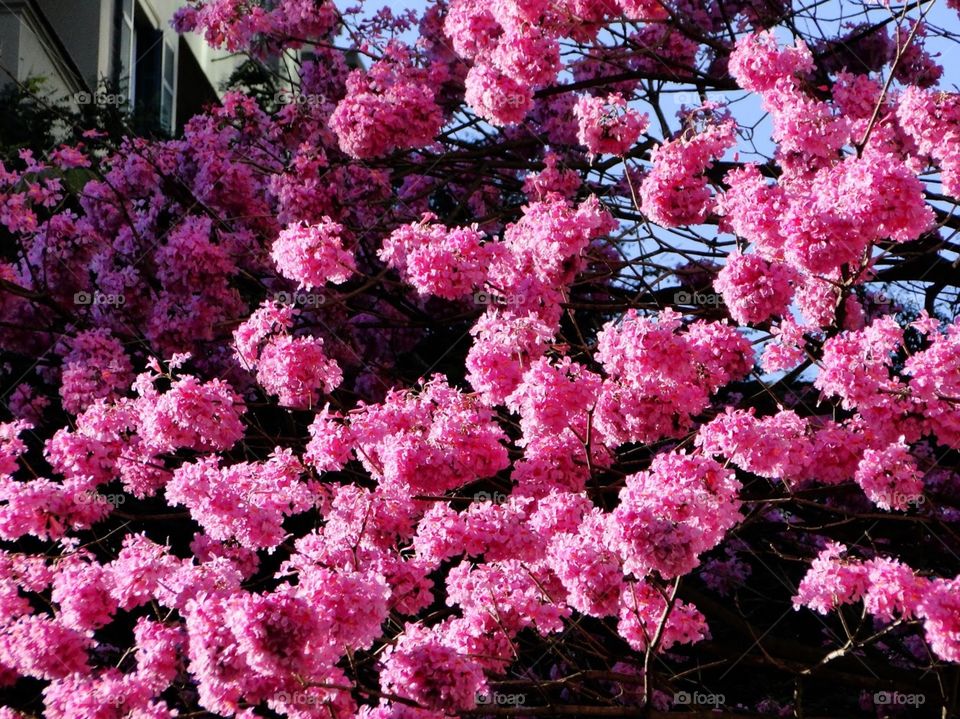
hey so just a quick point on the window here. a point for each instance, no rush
(168, 83)
(147, 69)
(126, 63)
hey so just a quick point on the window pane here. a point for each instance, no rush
(166, 108)
(168, 60)
(126, 61)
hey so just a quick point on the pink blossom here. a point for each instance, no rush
(889, 476)
(495, 96)
(753, 289)
(939, 609)
(245, 501)
(135, 575)
(191, 414)
(95, 367)
(774, 447)
(82, 589)
(669, 515)
(297, 370)
(554, 178)
(11, 446)
(643, 609)
(587, 568)
(675, 192)
(422, 668)
(313, 255)
(439, 261)
(504, 346)
(390, 107)
(608, 125)
(758, 63)
(433, 442)
(44, 648)
(831, 581)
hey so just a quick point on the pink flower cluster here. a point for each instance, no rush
(389, 107)
(448, 263)
(753, 289)
(431, 442)
(313, 255)
(95, 367)
(607, 125)
(675, 192)
(543, 250)
(932, 121)
(659, 376)
(669, 515)
(294, 368)
(505, 345)
(889, 590)
(514, 49)
(246, 502)
(190, 415)
(236, 25)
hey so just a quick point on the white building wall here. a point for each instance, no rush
(29, 49)
(76, 50)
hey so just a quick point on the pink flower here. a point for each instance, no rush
(495, 96)
(429, 442)
(669, 515)
(608, 125)
(889, 476)
(246, 501)
(313, 255)
(391, 107)
(774, 447)
(422, 668)
(505, 345)
(759, 64)
(642, 610)
(675, 191)
(138, 571)
(297, 370)
(831, 581)
(82, 589)
(448, 263)
(657, 377)
(587, 568)
(11, 446)
(753, 289)
(44, 648)
(95, 367)
(940, 609)
(192, 414)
